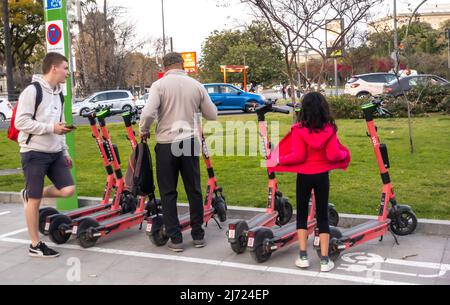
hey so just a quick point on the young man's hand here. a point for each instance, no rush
(60, 129)
(144, 136)
(69, 161)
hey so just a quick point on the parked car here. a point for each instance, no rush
(394, 88)
(140, 102)
(366, 85)
(229, 97)
(118, 99)
(5, 110)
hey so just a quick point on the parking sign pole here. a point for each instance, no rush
(58, 40)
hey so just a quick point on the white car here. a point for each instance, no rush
(5, 110)
(140, 103)
(367, 85)
(118, 99)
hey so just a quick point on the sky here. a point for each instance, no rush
(190, 22)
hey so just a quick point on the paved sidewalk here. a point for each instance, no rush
(130, 258)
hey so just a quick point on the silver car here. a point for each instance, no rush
(118, 99)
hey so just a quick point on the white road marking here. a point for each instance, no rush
(13, 233)
(5, 213)
(217, 263)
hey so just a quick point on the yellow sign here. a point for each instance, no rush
(190, 62)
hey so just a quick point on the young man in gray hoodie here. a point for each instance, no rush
(176, 100)
(43, 146)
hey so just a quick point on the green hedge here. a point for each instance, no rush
(431, 99)
(346, 106)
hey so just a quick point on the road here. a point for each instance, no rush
(129, 258)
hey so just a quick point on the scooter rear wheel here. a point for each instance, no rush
(408, 221)
(58, 227)
(240, 246)
(259, 253)
(333, 251)
(43, 214)
(84, 236)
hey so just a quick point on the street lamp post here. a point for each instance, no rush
(8, 52)
(164, 29)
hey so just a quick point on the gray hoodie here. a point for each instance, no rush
(47, 115)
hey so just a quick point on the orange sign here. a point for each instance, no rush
(190, 62)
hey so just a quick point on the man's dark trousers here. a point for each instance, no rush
(168, 167)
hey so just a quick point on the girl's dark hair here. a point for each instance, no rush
(315, 113)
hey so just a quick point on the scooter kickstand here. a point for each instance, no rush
(395, 237)
(218, 224)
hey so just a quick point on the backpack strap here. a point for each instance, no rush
(36, 105)
(61, 96)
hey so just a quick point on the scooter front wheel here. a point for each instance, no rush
(220, 208)
(159, 238)
(333, 216)
(405, 222)
(285, 211)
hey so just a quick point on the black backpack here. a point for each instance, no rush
(139, 177)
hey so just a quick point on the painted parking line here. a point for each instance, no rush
(13, 233)
(5, 213)
(218, 263)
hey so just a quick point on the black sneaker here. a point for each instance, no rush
(175, 247)
(41, 250)
(199, 243)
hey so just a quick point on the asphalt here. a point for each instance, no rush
(129, 258)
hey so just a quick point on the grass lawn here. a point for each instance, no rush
(421, 180)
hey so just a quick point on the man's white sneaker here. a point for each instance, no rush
(326, 266)
(302, 262)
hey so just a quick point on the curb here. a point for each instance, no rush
(425, 226)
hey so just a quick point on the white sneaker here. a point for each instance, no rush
(302, 262)
(326, 266)
(24, 197)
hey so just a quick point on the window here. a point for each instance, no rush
(212, 89)
(117, 95)
(416, 81)
(376, 78)
(99, 98)
(390, 78)
(352, 80)
(228, 90)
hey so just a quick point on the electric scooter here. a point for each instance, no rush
(399, 219)
(59, 225)
(215, 204)
(90, 228)
(279, 211)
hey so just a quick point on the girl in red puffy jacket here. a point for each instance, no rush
(312, 149)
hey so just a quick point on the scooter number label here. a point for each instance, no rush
(149, 228)
(47, 226)
(74, 230)
(232, 234)
(251, 242)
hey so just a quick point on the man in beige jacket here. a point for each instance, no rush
(176, 101)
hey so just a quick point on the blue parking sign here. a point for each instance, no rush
(53, 4)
